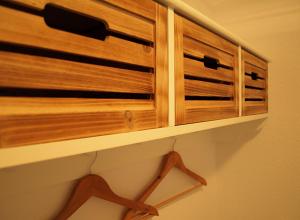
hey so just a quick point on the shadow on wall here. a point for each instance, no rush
(127, 169)
(230, 140)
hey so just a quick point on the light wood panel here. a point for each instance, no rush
(253, 108)
(258, 83)
(30, 30)
(23, 130)
(205, 114)
(27, 71)
(41, 117)
(197, 69)
(201, 88)
(40, 105)
(255, 93)
(254, 60)
(179, 72)
(249, 68)
(202, 34)
(161, 73)
(190, 104)
(145, 8)
(198, 49)
(117, 20)
(251, 63)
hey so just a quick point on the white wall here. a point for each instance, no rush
(252, 169)
(259, 178)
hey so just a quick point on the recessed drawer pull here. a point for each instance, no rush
(70, 21)
(254, 76)
(209, 62)
(213, 63)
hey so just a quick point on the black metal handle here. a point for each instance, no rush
(67, 20)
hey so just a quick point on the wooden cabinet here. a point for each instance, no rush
(255, 84)
(206, 74)
(73, 69)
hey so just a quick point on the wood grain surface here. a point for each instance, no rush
(199, 49)
(200, 33)
(251, 63)
(258, 83)
(199, 82)
(254, 60)
(179, 72)
(30, 129)
(37, 118)
(201, 88)
(145, 8)
(197, 69)
(26, 29)
(117, 20)
(27, 71)
(161, 72)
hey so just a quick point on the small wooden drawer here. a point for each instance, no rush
(255, 84)
(73, 69)
(206, 76)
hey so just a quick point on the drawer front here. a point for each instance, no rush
(105, 74)
(206, 74)
(255, 84)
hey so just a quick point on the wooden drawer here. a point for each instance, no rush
(73, 69)
(255, 84)
(206, 75)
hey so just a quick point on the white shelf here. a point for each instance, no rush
(10, 157)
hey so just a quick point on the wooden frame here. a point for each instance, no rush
(255, 84)
(203, 93)
(32, 64)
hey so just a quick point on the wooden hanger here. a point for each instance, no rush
(172, 159)
(93, 185)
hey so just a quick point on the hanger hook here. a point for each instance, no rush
(173, 145)
(93, 162)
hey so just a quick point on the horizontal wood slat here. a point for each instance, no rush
(197, 69)
(30, 30)
(251, 108)
(33, 106)
(145, 8)
(198, 49)
(206, 114)
(255, 94)
(24, 130)
(201, 34)
(190, 104)
(201, 88)
(117, 20)
(250, 58)
(249, 68)
(27, 71)
(258, 83)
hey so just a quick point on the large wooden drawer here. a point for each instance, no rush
(206, 74)
(73, 69)
(255, 84)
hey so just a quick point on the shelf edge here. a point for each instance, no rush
(10, 157)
